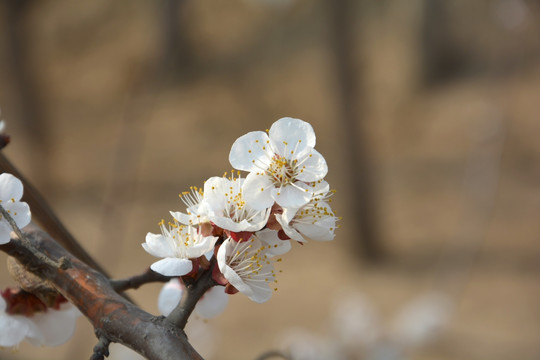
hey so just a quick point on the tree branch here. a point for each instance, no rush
(101, 350)
(194, 291)
(116, 319)
(134, 282)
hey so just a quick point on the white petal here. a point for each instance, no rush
(228, 224)
(289, 230)
(235, 280)
(172, 266)
(10, 187)
(251, 151)
(214, 193)
(19, 211)
(260, 294)
(320, 231)
(187, 219)
(56, 326)
(291, 196)
(275, 246)
(213, 302)
(288, 214)
(221, 255)
(5, 231)
(13, 329)
(320, 186)
(244, 225)
(203, 245)
(257, 191)
(289, 134)
(157, 245)
(314, 167)
(169, 296)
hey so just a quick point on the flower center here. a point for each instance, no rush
(282, 170)
(251, 264)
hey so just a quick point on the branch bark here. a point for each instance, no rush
(194, 291)
(112, 316)
(134, 282)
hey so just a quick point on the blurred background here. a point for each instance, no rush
(427, 112)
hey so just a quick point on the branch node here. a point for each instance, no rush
(64, 263)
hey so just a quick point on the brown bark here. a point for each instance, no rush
(112, 316)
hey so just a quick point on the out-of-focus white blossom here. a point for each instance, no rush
(422, 319)
(210, 305)
(299, 344)
(49, 327)
(11, 191)
(355, 321)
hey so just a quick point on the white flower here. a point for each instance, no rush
(315, 220)
(11, 191)
(422, 319)
(177, 244)
(50, 328)
(278, 163)
(247, 267)
(227, 208)
(196, 210)
(210, 305)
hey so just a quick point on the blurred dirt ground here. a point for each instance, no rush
(111, 133)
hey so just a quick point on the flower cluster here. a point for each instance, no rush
(241, 226)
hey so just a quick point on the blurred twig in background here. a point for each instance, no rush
(27, 94)
(356, 147)
(43, 213)
(480, 183)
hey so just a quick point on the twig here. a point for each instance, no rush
(194, 291)
(27, 243)
(134, 282)
(355, 138)
(273, 354)
(101, 350)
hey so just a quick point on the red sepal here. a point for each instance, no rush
(231, 290)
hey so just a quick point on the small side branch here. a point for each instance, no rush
(27, 243)
(134, 282)
(273, 354)
(101, 350)
(194, 291)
